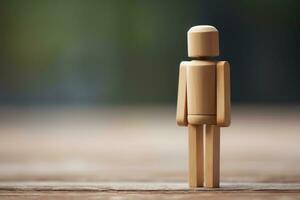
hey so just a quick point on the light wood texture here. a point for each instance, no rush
(181, 115)
(207, 96)
(203, 41)
(145, 190)
(142, 186)
(91, 153)
(223, 94)
(196, 156)
(212, 156)
(154, 194)
(201, 87)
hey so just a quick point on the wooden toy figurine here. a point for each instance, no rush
(204, 104)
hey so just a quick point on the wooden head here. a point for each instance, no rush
(203, 41)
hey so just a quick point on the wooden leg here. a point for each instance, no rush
(196, 166)
(212, 156)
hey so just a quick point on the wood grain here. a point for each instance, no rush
(150, 195)
(62, 153)
(145, 190)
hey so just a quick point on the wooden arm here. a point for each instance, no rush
(181, 115)
(223, 94)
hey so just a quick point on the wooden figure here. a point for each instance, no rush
(204, 104)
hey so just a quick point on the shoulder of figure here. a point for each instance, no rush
(223, 63)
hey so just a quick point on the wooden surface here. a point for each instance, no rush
(114, 153)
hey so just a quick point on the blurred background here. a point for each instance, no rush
(88, 89)
(127, 52)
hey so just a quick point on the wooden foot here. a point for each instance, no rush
(196, 166)
(212, 156)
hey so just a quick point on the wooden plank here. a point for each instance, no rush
(62, 195)
(156, 187)
(92, 153)
(145, 190)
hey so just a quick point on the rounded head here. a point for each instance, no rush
(203, 41)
